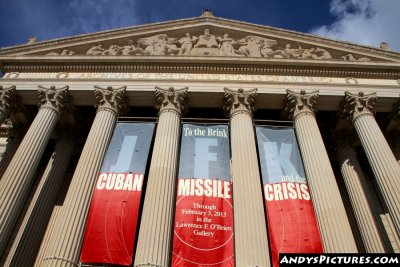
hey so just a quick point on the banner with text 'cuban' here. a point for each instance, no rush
(292, 225)
(113, 214)
(203, 228)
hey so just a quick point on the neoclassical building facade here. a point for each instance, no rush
(62, 102)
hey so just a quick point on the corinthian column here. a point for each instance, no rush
(8, 99)
(331, 216)
(18, 177)
(360, 109)
(63, 248)
(15, 132)
(31, 231)
(156, 226)
(251, 237)
(359, 194)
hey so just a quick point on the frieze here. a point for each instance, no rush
(151, 76)
(208, 44)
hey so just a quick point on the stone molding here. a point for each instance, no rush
(301, 103)
(8, 100)
(112, 99)
(57, 99)
(171, 100)
(240, 101)
(357, 105)
(215, 65)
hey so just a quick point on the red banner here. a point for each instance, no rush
(203, 229)
(203, 223)
(115, 201)
(113, 214)
(292, 225)
(291, 221)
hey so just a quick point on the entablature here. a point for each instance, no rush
(205, 89)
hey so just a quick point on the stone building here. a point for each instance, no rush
(61, 99)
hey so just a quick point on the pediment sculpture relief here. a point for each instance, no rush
(208, 44)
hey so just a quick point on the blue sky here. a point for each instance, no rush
(361, 21)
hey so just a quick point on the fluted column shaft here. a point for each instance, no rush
(29, 236)
(63, 248)
(11, 147)
(155, 236)
(383, 163)
(251, 237)
(333, 223)
(50, 226)
(18, 177)
(359, 196)
(331, 216)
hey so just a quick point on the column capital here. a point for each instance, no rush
(112, 99)
(357, 105)
(13, 129)
(8, 99)
(300, 103)
(239, 101)
(57, 99)
(171, 100)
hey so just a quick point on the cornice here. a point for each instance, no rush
(209, 65)
(198, 21)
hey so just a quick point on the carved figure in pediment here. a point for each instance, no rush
(227, 45)
(65, 52)
(96, 50)
(131, 49)
(159, 45)
(307, 53)
(266, 47)
(320, 53)
(251, 46)
(363, 59)
(207, 40)
(186, 44)
(350, 57)
(287, 52)
(113, 50)
(255, 46)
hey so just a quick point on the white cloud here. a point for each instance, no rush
(367, 22)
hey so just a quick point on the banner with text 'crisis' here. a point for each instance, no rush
(292, 225)
(203, 228)
(113, 214)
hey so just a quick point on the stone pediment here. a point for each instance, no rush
(203, 37)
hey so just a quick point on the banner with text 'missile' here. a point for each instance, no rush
(291, 220)
(203, 229)
(113, 214)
